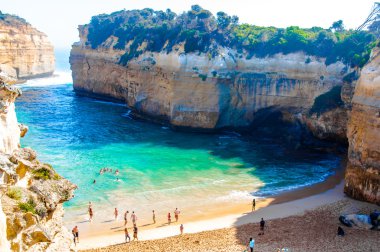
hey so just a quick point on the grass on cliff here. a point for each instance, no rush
(14, 193)
(45, 172)
(29, 206)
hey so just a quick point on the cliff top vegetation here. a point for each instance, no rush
(198, 30)
(14, 20)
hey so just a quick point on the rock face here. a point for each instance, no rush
(32, 192)
(195, 91)
(25, 52)
(363, 170)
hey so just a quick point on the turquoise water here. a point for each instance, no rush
(159, 167)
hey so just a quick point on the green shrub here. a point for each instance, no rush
(200, 31)
(28, 206)
(42, 173)
(203, 76)
(41, 211)
(14, 193)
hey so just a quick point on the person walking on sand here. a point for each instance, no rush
(176, 214)
(169, 218)
(262, 226)
(181, 229)
(126, 217)
(133, 217)
(253, 204)
(154, 217)
(135, 230)
(116, 213)
(75, 232)
(91, 213)
(251, 244)
(127, 237)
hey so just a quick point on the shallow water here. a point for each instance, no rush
(159, 168)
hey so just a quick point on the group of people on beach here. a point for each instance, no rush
(133, 218)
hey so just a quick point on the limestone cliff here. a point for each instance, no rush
(25, 52)
(363, 170)
(195, 91)
(32, 193)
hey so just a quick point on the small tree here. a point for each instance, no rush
(223, 20)
(337, 26)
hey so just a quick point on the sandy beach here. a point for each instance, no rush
(314, 230)
(322, 199)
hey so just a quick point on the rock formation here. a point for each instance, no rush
(363, 170)
(191, 90)
(32, 193)
(25, 52)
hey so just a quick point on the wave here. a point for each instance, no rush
(58, 78)
(236, 196)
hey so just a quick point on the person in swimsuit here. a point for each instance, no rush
(253, 205)
(176, 214)
(154, 217)
(169, 218)
(91, 213)
(181, 229)
(126, 217)
(127, 237)
(133, 217)
(135, 230)
(75, 232)
(116, 213)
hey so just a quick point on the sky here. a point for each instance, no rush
(60, 19)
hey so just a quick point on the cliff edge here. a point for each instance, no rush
(363, 170)
(25, 52)
(32, 193)
(198, 71)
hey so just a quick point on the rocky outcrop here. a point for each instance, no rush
(32, 192)
(25, 52)
(194, 90)
(363, 170)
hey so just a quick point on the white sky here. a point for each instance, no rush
(59, 19)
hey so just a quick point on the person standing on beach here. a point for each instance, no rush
(126, 217)
(127, 237)
(169, 218)
(135, 230)
(176, 214)
(133, 218)
(91, 213)
(75, 232)
(116, 213)
(154, 217)
(251, 244)
(262, 226)
(181, 229)
(253, 204)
